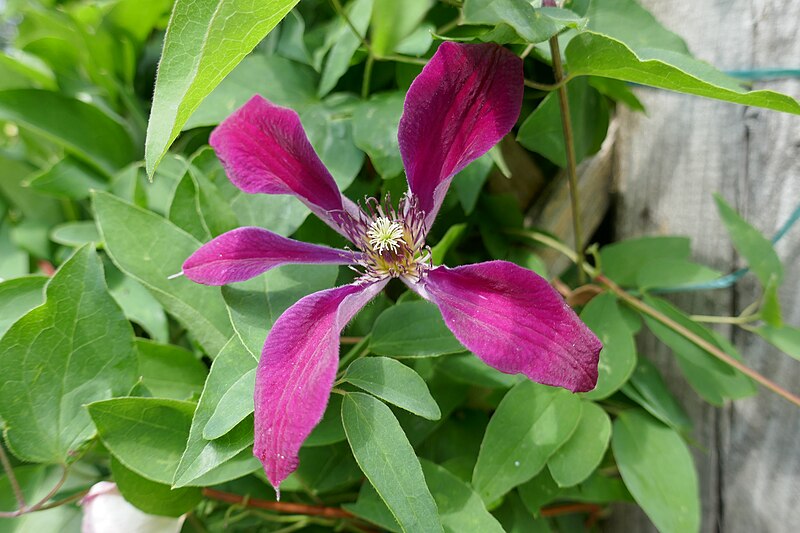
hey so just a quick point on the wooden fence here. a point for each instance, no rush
(666, 167)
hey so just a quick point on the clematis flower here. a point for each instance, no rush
(465, 100)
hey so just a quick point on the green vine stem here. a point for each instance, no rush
(569, 144)
(12, 479)
(641, 306)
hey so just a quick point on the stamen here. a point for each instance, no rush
(385, 234)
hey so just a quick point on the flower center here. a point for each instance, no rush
(385, 234)
(392, 241)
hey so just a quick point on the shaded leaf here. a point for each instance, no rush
(74, 349)
(665, 488)
(412, 329)
(388, 460)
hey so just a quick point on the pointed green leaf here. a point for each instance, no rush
(388, 460)
(74, 349)
(543, 133)
(147, 435)
(205, 40)
(594, 54)
(227, 457)
(786, 338)
(395, 383)
(234, 406)
(17, 297)
(83, 129)
(647, 388)
(412, 329)
(169, 371)
(533, 25)
(714, 380)
(150, 249)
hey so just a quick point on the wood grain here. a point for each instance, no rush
(667, 166)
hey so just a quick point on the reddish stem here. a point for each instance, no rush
(280, 507)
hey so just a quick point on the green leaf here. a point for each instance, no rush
(530, 424)
(67, 178)
(205, 40)
(345, 44)
(539, 491)
(256, 304)
(629, 22)
(599, 488)
(137, 303)
(617, 90)
(74, 349)
(469, 182)
(329, 430)
(658, 469)
(593, 54)
(169, 371)
(756, 249)
(150, 249)
(515, 518)
(579, 456)
(460, 508)
(542, 131)
(395, 383)
(227, 457)
(151, 497)
(623, 261)
(672, 273)
(647, 388)
(21, 70)
(388, 460)
(83, 129)
(786, 338)
(17, 297)
(282, 214)
(448, 240)
(533, 25)
(370, 507)
(198, 208)
(234, 406)
(618, 356)
(76, 234)
(412, 329)
(279, 80)
(393, 21)
(375, 124)
(328, 468)
(714, 380)
(329, 127)
(468, 369)
(147, 435)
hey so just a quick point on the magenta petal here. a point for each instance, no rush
(264, 150)
(246, 252)
(516, 322)
(466, 99)
(296, 373)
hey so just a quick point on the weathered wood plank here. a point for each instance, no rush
(668, 164)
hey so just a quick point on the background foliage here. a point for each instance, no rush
(111, 370)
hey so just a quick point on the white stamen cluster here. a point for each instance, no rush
(385, 234)
(391, 241)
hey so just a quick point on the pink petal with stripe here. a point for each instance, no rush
(466, 99)
(516, 322)
(296, 372)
